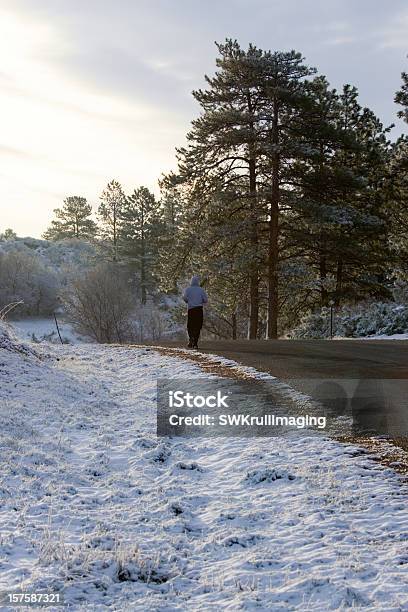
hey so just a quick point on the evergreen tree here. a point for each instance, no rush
(340, 222)
(397, 184)
(363, 257)
(171, 210)
(109, 216)
(311, 220)
(401, 97)
(287, 100)
(223, 144)
(140, 230)
(221, 262)
(8, 234)
(283, 193)
(169, 263)
(73, 220)
(235, 147)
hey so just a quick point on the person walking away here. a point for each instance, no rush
(195, 297)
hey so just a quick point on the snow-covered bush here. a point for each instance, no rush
(63, 258)
(100, 304)
(150, 322)
(381, 319)
(400, 291)
(55, 254)
(355, 321)
(24, 277)
(314, 325)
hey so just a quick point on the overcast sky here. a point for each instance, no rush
(93, 90)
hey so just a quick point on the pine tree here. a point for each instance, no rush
(397, 184)
(401, 97)
(169, 262)
(282, 190)
(317, 181)
(340, 223)
(109, 216)
(221, 261)
(73, 220)
(287, 100)
(8, 234)
(140, 230)
(235, 147)
(363, 255)
(223, 144)
(171, 210)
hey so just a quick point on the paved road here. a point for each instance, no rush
(298, 359)
(367, 376)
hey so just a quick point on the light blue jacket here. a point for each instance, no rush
(194, 295)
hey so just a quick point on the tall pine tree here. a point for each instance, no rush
(109, 215)
(239, 145)
(401, 97)
(73, 220)
(140, 231)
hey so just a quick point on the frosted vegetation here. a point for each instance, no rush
(359, 321)
(68, 277)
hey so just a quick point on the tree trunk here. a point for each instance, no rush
(143, 256)
(273, 307)
(254, 263)
(143, 271)
(115, 253)
(273, 248)
(234, 325)
(253, 269)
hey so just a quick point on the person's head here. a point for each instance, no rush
(195, 281)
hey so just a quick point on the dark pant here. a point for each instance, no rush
(194, 323)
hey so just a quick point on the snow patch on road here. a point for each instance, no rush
(383, 337)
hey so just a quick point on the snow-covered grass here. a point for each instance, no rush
(385, 337)
(91, 502)
(43, 329)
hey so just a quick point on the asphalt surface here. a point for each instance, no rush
(365, 378)
(299, 359)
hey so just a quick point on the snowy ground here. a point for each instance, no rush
(384, 337)
(378, 337)
(43, 329)
(91, 502)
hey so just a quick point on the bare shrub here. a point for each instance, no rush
(150, 323)
(100, 304)
(26, 280)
